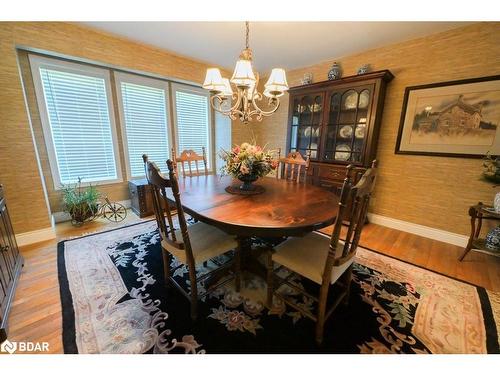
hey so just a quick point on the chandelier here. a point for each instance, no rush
(242, 102)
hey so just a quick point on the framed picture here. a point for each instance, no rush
(457, 118)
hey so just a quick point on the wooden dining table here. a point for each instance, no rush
(284, 209)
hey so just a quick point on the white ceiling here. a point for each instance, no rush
(275, 44)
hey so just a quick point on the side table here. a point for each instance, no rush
(477, 214)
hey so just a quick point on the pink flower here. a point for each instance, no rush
(244, 169)
(236, 149)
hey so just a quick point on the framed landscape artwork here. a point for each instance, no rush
(457, 118)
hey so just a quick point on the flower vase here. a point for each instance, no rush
(496, 203)
(248, 181)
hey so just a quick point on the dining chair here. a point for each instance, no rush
(293, 167)
(191, 245)
(188, 157)
(325, 260)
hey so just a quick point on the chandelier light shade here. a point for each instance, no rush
(276, 84)
(226, 90)
(244, 96)
(243, 74)
(213, 80)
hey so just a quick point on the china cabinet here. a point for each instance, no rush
(11, 262)
(337, 123)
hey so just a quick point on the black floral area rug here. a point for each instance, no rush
(114, 300)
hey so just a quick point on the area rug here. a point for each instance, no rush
(114, 300)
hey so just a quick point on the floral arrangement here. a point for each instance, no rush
(247, 160)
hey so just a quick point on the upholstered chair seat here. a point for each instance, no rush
(206, 242)
(307, 256)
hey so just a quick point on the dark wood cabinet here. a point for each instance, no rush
(338, 123)
(140, 197)
(11, 262)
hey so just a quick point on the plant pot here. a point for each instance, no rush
(82, 213)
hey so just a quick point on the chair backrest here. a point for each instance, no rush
(190, 156)
(354, 201)
(293, 166)
(161, 207)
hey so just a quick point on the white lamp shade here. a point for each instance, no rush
(243, 73)
(277, 82)
(213, 80)
(226, 90)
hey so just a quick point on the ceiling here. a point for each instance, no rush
(275, 44)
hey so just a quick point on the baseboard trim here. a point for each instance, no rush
(421, 230)
(35, 236)
(61, 216)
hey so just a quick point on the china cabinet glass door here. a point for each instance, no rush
(346, 125)
(306, 124)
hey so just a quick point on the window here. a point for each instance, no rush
(222, 135)
(192, 119)
(144, 118)
(77, 120)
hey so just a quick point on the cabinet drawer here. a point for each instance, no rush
(332, 172)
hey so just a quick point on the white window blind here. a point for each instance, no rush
(79, 131)
(144, 117)
(192, 120)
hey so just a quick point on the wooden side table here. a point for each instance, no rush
(477, 214)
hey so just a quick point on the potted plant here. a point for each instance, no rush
(247, 163)
(80, 202)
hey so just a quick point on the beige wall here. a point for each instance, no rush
(431, 191)
(425, 190)
(19, 172)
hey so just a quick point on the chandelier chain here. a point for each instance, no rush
(247, 34)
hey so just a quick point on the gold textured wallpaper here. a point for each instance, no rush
(19, 171)
(426, 190)
(432, 191)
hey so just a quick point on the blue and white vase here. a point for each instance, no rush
(493, 239)
(496, 203)
(335, 72)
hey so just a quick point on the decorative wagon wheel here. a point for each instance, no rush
(114, 211)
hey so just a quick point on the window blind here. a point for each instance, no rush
(146, 125)
(80, 126)
(192, 122)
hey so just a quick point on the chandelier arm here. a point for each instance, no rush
(220, 100)
(259, 112)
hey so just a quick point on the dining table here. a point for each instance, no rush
(285, 208)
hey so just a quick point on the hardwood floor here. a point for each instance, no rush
(36, 311)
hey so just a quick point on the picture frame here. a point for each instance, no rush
(452, 119)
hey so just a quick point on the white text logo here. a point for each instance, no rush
(24, 346)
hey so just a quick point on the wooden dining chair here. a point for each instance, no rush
(192, 245)
(188, 157)
(322, 259)
(293, 167)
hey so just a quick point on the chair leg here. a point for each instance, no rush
(270, 277)
(194, 292)
(320, 323)
(237, 267)
(347, 282)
